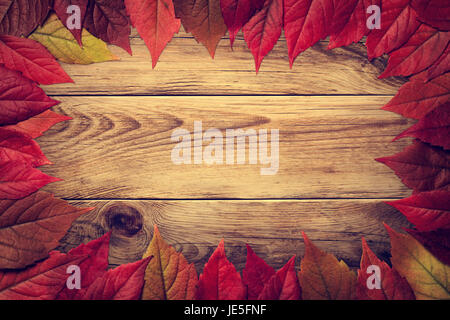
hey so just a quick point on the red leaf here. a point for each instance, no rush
(434, 128)
(424, 48)
(437, 242)
(18, 180)
(15, 146)
(283, 285)
(433, 12)
(428, 211)
(20, 98)
(93, 267)
(398, 23)
(40, 282)
(264, 29)
(219, 280)
(255, 274)
(37, 125)
(416, 98)
(108, 20)
(156, 23)
(236, 13)
(202, 18)
(23, 16)
(441, 66)
(393, 286)
(60, 7)
(350, 22)
(122, 283)
(31, 227)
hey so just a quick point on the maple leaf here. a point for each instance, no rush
(416, 98)
(392, 285)
(236, 13)
(31, 227)
(421, 167)
(398, 24)
(441, 66)
(34, 127)
(61, 43)
(423, 48)
(433, 12)
(156, 23)
(20, 98)
(168, 275)
(22, 16)
(122, 283)
(15, 146)
(40, 282)
(428, 211)
(437, 242)
(202, 18)
(434, 128)
(427, 276)
(263, 30)
(32, 59)
(323, 277)
(219, 280)
(60, 7)
(18, 180)
(350, 22)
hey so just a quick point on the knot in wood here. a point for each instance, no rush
(124, 219)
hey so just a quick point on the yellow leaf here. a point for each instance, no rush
(428, 277)
(168, 275)
(61, 43)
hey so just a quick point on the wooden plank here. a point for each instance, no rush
(120, 147)
(272, 228)
(185, 68)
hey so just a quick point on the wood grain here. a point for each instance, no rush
(272, 228)
(120, 147)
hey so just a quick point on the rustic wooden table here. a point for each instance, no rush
(115, 153)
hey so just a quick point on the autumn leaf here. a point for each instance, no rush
(427, 276)
(398, 24)
(392, 285)
(423, 48)
(31, 227)
(220, 280)
(22, 16)
(428, 211)
(40, 282)
(168, 275)
(61, 6)
(202, 18)
(37, 125)
(122, 283)
(433, 12)
(236, 13)
(18, 180)
(61, 44)
(433, 128)
(437, 242)
(32, 59)
(421, 167)
(156, 23)
(255, 274)
(441, 66)
(20, 98)
(264, 29)
(416, 98)
(323, 277)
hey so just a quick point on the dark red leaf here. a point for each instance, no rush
(441, 66)
(60, 7)
(255, 274)
(437, 242)
(436, 13)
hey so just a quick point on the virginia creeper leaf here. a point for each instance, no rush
(31, 227)
(255, 274)
(421, 167)
(156, 23)
(392, 285)
(60, 7)
(168, 275)
(437, 242)
(436, 13)
(427, 276)
(323, 277)
(219, 280)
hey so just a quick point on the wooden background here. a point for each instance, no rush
(115, 153)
